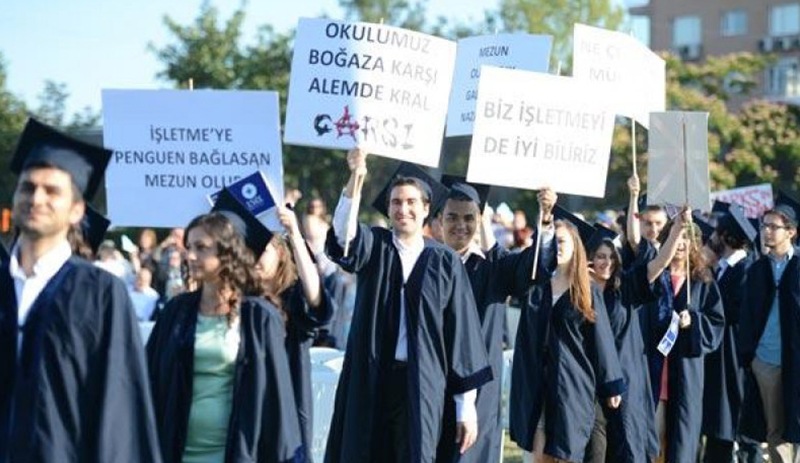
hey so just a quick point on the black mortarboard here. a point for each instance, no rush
(457, 182)
(737, 224)
(256, 235)
(787, 206)
(94, 226)
(705, 224)
(436, 191)
(600, 234)
(720, 207)
(41, 144)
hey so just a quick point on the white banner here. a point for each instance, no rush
(174, 147)
(381, 88)
(511, 51)
(678, 159)
(755, 199)
(534, 130)
(627, 74)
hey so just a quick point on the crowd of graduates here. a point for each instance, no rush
(671, 337)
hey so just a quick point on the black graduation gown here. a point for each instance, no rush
(79, 392)
(686, 362)
(631, 431)
(561, 363)
(724, 377)
(263, 426)
(445, 352)
(301, 329)
(493, 279)
(759, 295)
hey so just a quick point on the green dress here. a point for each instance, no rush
(215, 349)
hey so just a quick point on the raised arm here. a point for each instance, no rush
(306, 270)
(632, 231)
(667, 251)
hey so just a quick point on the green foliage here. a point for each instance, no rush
(401, 13)
(556, 18)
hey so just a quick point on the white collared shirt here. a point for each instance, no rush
(730, 261)
(472, 249)
(409, 254)
(28, 288)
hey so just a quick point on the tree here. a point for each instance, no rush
(12, 119)
(401, 13)
(557, 18)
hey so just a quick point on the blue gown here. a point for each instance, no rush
(301, 329)
(631, 431)
(446, 354)
(759, 295)
(79, 389)
(493, 279)
(263, 427)
(724, 376)
(686, 360)
(561, 364)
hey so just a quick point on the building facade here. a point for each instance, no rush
(696, 29)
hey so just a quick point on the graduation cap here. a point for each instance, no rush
(435, 190)
(705, 224)
(476, 192)
(788, 206)
(591, 235)
(42, 145)
(720, 207)
(94, 226)
(256, 235)
(737, 224)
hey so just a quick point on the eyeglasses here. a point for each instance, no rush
(773, 226)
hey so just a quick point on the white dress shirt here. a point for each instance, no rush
(465, 403)
(27, 288)
(730, 261)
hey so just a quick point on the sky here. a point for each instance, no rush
(94, 44)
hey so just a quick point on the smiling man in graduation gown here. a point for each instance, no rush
(494, 276)
(74, 383)
(415, 336)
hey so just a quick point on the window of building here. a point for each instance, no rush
(686, 30)
(784, 19)
(734, 22)
(783, 79)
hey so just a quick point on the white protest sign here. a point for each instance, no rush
(511, 51)
(755, 199)
(627, 74)
(172, 148)
(381, 88)
(534, 130)
(678, 147)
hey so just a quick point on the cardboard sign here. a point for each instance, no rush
(755, 199)
(678, 159)
(627, 74)
(381, 88)
(534, 130)
(174, 147)
(510, 51)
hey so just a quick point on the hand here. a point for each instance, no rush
(614, 402)
(288, 219)
(466, 434)
(292, 196)
(634, 187)
(547, 199)
(357, 161)
(685, 319)
(683, 218)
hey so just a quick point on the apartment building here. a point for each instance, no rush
(696, 29)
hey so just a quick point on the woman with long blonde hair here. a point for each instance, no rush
(564, 357)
